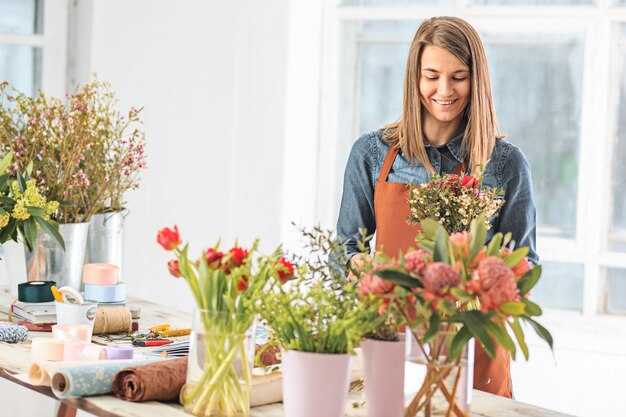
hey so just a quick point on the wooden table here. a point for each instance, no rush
(15, 360)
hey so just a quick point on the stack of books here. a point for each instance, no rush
(35, 316)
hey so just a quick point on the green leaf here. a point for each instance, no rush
(541, 331)
(30, 232)
(477, 324)
(35, 211)
(528, 281)
(399, 278)
(433, 327)
(4, 182)
(21, 182)
(494, 245)
(6, 161)
(459, 341)
(499, 333)
(519, 335)
(441, 247)
(479, 235)
(7, 231)
(7, 201)
(430, 228)
(513, 307)
(532, 309)
(29, 170)
(507, 239)
(514, 257)
(65, 204)
(52, 229)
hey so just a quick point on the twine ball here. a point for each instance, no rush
(12, 333)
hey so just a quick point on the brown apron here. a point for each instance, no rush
(394, 234)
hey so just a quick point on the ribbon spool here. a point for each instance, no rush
(112, 320)
(106, 293)
(101, 274)
(35, 291)
(47, 349)
(72, 332)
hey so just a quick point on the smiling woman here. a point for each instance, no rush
(447, 125)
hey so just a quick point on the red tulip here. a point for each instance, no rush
(242, 284)
(469, 181)
(169, 238)
(285, 270)
(213, 258)
(237, 256)
(174, 268)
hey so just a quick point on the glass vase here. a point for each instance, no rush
(435, 383)
(221, 355)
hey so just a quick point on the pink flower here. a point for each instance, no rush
(414, 261)
(372, 284)
(495, 282)
(460, 243)
(438, 277)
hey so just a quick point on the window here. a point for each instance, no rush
(559, 84)
(33, 44)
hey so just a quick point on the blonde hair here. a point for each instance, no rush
(481, 130)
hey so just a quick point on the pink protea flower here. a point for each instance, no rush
(438, 277)
(521, 267)
(372, 284)
(460, 243)
(495, 282)
(414, 261)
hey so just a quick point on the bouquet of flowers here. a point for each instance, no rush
(454, 201)
(453, 291)
(23, 208)
(226, 287)
(80, 152)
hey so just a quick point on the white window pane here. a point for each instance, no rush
(393, 2)
(617, 232)
(21, 16)
(560, 286)
(20, 65)
(616, 290)
(537, 87)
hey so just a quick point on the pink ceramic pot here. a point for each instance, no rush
(383, 372)
(315, 384)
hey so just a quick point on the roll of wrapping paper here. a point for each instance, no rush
(35, 291)
(92, 379)
(41, 372)
(159, 381)
(112, 320)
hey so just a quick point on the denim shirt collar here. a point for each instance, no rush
(453, 145)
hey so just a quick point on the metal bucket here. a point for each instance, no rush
(105, 242)
(48, 261)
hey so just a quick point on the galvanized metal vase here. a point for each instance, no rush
(48, 262)
(105, 241)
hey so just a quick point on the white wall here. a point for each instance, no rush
(211, 75)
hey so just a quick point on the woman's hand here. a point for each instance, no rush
(357, 262)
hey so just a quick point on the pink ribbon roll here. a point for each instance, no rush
(47, 349)
(72, 332)
(101, 274)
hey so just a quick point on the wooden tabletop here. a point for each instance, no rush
(15, 360)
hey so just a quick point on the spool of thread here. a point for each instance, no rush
(47, 349)
(72, 332)
(35, 291)
(70, 295)
(112, 320)
(12, 333)
(106, 293)
(101, 274)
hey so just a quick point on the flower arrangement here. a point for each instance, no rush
(454, 290)
(23, 209)
(226, 287)
(318, 311)
(81, 153)
(454, 201)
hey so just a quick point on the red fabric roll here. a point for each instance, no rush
(159, 381)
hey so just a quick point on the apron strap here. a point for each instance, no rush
(387, 163)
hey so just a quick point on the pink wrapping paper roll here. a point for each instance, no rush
(72, 332)
(47, 349)
(101, 274)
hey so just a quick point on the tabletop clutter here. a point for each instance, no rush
(74, 366)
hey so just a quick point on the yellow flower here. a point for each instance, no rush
(19, 211)
(4, 220)
(32, 195)
(15, 187)
(51, 207)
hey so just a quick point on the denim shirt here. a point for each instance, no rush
(507, 169)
